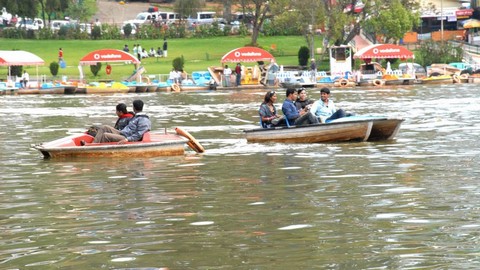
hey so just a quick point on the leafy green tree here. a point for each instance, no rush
(127, 30)
(187, 8)
(431, 52)
(342, 21)
(392, 23)
(79, 11)
(260, 9)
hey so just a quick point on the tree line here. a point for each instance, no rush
(338, 21)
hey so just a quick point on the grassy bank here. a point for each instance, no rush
(198, 53)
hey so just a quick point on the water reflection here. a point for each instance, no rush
(408, 203)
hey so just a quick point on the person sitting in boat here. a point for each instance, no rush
(324, 109)
(267, 111)
(303, 101)
(133, 132)
(294, 116)
(124, 116)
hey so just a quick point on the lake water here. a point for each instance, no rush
(410, 203)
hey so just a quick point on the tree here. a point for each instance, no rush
(392, 23)
(260, 10)
(343, 19)
(79, 12)
(186, 8)
(23, 8)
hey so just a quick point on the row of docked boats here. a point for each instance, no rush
(354, 128)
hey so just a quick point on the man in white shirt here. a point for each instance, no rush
(25, 79)
(324, 109)
(227, 72)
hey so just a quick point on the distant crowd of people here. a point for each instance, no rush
(142, 53)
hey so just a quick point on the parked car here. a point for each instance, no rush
(202, 17)
(30, 24)
(168, 17)
(55, 25)
(145, 17)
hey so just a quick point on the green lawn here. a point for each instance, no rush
(198, 53)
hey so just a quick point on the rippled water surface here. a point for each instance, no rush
(410, 203)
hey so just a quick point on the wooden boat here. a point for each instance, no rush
(152, 144)
(383, 128)
(45, 88)
(341, 130)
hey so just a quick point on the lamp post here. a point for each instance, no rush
(441, 20)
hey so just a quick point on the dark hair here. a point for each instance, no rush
(290, 91)
(325, 90)
(138, 105)
(299, 90)
(268, 96)
(122, 107)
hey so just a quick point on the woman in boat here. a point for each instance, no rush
(124, 116)
(302, 101)
(324, 109)
(267, 111)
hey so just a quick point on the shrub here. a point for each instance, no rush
(303, 55)
(127, 30)
(96, 68)
(96, 32)
(54, 66)
(16, 71)
(178, 63)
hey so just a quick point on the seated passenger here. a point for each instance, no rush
(152, 52)
(303, 101)
(324, 109)
(124, 116)
(294, 116)
(134, 131)
(159, 52)
(267, 111)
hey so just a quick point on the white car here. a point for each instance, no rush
(30, 24)
(145, 17)
(55, 25)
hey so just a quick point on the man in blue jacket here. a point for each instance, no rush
(294, 116)
(133, 132)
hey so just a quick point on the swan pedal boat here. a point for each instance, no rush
(352, 128)
(152, 145)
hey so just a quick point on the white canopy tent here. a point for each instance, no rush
(19, 58)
